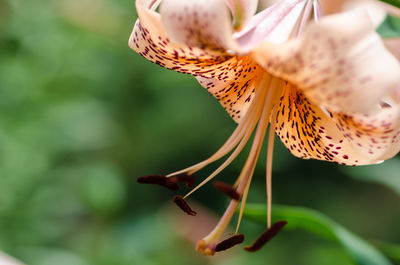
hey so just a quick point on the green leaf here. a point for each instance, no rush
(392, 2)
(386, 174)
(389, 249)
(390, 27)
(315, 222)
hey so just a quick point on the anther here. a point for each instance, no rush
(266, 236)
(227, 189)
(187, 179)
(230, 242)
(183, 205)
(169, 183)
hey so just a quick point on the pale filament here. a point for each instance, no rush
(276, 90)
(234, 154)
(248, 169)
(270, 152)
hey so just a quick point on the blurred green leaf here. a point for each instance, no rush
(392, 2)
(390, 27)
(389, 249)
(386, 173)
(315, 222)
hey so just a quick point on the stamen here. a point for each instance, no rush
(183, 205)
(227, 189)
(230, 242)
(163, 181)
(270, 153)
(275, 90)
(186, 178)
(266, 236)
(207, 244)
(234, 154)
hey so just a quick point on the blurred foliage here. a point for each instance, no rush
(81, 116)
(390, 27)
(360, 251)
(392, 2)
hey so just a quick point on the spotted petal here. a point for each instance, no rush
(339, 63)
(309, 132)
(199, 23)
(237, 92)
(150, 40)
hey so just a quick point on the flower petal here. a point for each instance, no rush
(199, 23)
(150, 40)
(274, 24)
(242, 10)
(339, 63)
(231, 79)
(376, 10)
(393, 45)
(309, 132)
(235, 93)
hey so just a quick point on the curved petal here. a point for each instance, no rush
(396, 94)
(242, 10)
(393, 45)
(331, 7)
(199, 23)
(274, 24)
(339, 63)
(377, 10)
(150, 40)
(309, 132)
(237, 92)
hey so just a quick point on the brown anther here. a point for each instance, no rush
(186, 178)
(230, 242)
(171, 184)
(266, 236)
(183, 205)
(227, 189)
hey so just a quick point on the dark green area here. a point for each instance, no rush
(392, 2)
(359, 251)
(390, 27)
(82, 116)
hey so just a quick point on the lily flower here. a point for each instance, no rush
(327, 88)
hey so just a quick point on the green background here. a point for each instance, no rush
(82, 116)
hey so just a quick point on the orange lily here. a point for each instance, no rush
(327, 89)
